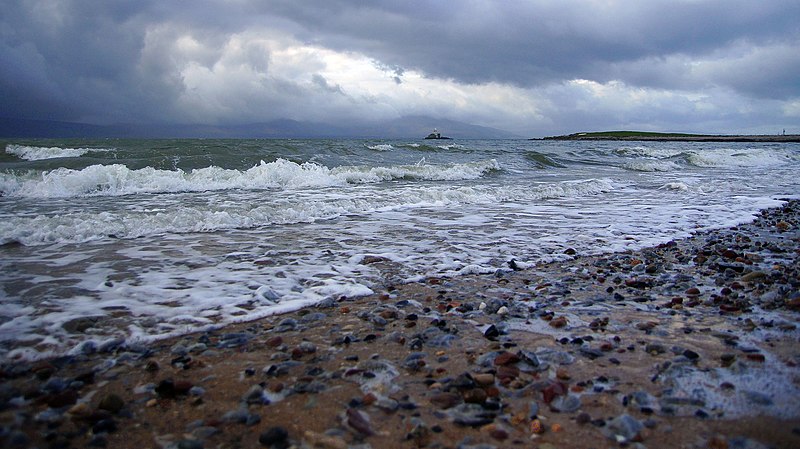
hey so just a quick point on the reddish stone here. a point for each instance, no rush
(553, 390)
(274, 342)
(506, 358)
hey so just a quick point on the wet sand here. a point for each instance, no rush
(690, 344)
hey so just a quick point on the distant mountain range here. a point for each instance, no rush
(405, 127)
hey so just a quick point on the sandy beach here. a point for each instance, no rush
(690, 344)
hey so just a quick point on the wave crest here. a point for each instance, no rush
(31, 153)
(117, 179)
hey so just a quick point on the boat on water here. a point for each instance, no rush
(437, 135)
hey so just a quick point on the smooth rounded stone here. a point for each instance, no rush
(566, 404)
(234, 340)
(49, 416)
(315, 386)
(691, 355)
(179, 350)
(475, 396)
(197, 348)
(358, 421)
(312, 317)
(442, 341)
(655, 348)
(445, 400)
(483, 379)
(463, 381)
(280, 369)
(307, 347)
(277, 437)
(555, 356)
(641, 399)
(55, 385)
(112, 403)
(533, 409)
(242, 416)
(623, 428)
(530, 363)
(286, 325)
(255, 395)
(388, 405)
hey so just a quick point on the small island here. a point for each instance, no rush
(436, 135)
(677, 137)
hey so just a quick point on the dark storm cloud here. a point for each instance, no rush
(531, 43)
(158, 60)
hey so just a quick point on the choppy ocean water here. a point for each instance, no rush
(141, 239)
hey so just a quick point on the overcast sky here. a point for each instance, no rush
(531, 67)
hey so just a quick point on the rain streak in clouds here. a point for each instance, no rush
(530, 67)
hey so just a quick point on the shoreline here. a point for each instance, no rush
(689, 344)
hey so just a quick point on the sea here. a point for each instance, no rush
(108, 242)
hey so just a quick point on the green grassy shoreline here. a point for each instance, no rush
(679, 137)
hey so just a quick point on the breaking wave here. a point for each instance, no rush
(117, 179)
(30, 153)
(255, 211)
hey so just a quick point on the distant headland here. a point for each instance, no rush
(677, 137)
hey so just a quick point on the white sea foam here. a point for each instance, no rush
(31, 153)
(381, 147)
(247, 211)
(751, 157)
(651, 165)
(664, 159)
(117, 179)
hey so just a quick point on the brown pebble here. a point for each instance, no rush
(483, 379)
(274, 342)
(507, 358)
(358, 422)
(475, 396)
(445, 400)
(558, 322)
(369, 399)
(694, 291)
(112, 403)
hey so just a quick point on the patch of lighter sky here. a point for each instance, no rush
(792, 108)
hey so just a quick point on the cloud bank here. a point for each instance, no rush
(531, 67)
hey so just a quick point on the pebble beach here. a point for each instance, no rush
(693, 343)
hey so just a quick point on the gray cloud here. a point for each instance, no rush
(213, 61)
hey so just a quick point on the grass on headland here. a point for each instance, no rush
(656, 136)
(621, 135)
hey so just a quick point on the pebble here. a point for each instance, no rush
(112, 403)
(566, 404)
(623, 428)
(275, 437)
